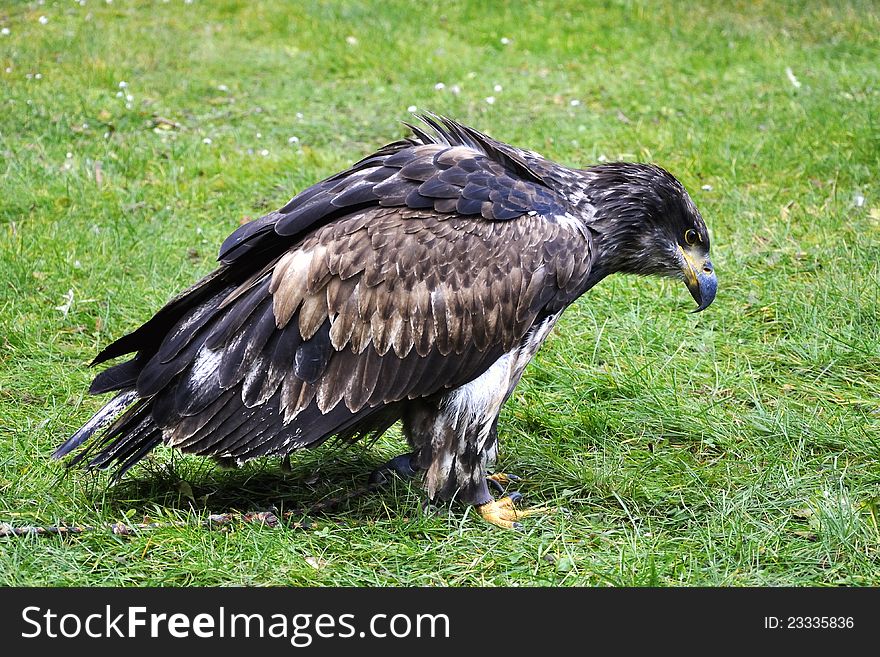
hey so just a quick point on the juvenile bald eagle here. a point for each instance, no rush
(415, 286)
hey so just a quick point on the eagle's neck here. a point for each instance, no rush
(624, 219)
(608, 256)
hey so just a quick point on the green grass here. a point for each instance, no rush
(737, 447)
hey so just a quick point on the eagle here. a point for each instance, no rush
(414, 286)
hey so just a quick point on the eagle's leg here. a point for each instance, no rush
(501, 512)
(402, 466)
(498, 481)
(456, 447)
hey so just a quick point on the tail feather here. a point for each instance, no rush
(119, 377)
(119, 440)
(111, 410)
(145, 446)
(127, 433)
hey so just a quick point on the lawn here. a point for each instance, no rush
(740, 446)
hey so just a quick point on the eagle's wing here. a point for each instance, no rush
(408, 275)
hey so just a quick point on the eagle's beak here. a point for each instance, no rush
(699, 276)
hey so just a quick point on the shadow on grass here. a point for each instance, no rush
(195, 484)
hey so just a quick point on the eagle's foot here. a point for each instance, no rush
(503, 513)
(401, 466)
(500, 480)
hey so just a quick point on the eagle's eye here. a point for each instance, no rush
(691, 237)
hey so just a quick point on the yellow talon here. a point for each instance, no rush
(503, 513)
(501, 480)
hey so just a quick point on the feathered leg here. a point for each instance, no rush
(455, 452)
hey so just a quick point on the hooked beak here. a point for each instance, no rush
(699, 276)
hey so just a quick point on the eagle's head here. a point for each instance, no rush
(646, 223)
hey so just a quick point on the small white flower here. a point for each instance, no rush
(791, 78)
(4, 31)
(439, 86)
(129, 97)
(498, 88)
(293, 140)
(602, 158)
(85, 126)
(259, 135)
(411, 108)
(859, 200)
(43, 20)
(128, 106)
(119, 94)
(64, 308)
(69, 155)
(575, 102)
(490, 100)
(123, 84)
(455, 89)
(207, 141)
(9, 69)
(222, 87)
(39, 76)
(299, 115)
(264, 152)
(351, 40)
(706, 188)
(505, 41)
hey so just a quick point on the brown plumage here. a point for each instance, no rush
(414, 286)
